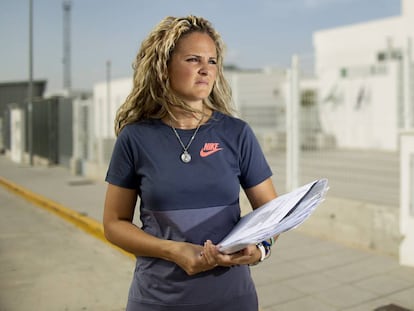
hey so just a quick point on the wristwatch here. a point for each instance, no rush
(262, 251)
(262, 254)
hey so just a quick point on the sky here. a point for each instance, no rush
(258, 34)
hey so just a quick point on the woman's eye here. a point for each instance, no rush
(213, 62)
(193, 59)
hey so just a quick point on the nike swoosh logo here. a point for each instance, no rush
(207, 153)
(209, 149)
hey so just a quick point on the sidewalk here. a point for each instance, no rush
(48, 264)
(304, 273)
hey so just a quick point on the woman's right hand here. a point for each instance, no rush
(190, 258)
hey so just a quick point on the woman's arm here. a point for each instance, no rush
(261, 194)
(120, 230)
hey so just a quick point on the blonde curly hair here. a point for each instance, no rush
(151, 95)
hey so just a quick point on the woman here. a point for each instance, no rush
(183, 154)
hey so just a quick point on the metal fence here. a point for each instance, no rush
(44, 130)
(52, 130)
(351, 140)
(368, 174)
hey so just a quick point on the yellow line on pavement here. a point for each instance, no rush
(81, 221)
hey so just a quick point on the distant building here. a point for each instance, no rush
(15, 93)
(365, 77)
(50, 127)
(107, 97)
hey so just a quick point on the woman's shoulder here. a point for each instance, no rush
(140, 127)
(230, 121)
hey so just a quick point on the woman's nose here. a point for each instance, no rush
(203, 71)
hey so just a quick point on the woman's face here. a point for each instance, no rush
(192, 68)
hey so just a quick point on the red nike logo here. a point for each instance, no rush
(209, 149)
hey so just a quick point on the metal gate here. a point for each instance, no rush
(52, 130)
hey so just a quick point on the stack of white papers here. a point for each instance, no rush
(279, 215)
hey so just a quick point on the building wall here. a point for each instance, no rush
(15, 92)
(357, 44)
(361, 110)
(360, 73)
(104, 111)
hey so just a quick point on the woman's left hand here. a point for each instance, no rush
(249, 255)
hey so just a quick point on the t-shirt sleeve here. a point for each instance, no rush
(254, 168)
(121, 171)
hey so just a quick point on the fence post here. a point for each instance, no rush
(406, 250)
(292, 127)
(408, 111)
(235, 92)
(17, 134)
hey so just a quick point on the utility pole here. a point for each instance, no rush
(108, 97)
(67, 77)
(30, 88)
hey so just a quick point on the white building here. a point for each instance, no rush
(364, 81)
(107, 97)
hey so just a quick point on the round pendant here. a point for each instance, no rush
(185, 157)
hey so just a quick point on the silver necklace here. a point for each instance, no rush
(185, 156)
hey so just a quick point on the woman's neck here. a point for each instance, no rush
(187, 120)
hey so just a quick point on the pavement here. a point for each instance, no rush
(53, 256)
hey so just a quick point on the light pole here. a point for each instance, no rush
(30, 88)
(108, 97)
(67, 75)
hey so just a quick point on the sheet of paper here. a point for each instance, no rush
(279, 215)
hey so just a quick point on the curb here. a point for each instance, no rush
(79, 220)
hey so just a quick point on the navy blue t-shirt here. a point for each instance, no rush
(189, 202)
